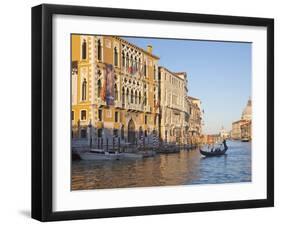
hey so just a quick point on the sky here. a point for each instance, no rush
(218, 73)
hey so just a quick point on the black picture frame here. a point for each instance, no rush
(42, 111)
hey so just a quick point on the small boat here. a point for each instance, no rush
(217, 152)
(99, 154)
(131, 155)
(245, 139)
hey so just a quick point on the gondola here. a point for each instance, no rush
(215, 153)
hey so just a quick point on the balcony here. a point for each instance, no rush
(133, 107)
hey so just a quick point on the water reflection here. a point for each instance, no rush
(185, 167)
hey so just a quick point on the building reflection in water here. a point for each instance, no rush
(185, 167)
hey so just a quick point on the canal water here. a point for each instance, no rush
(183, 168)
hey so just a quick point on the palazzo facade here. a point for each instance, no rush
(119, 91)
(115, 89)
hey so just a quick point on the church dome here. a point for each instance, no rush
(247, 113)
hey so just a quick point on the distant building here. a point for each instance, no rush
(236, 129)
(246, 130)
(223, 133)
(247, 112)
(213, 138)
(241, 129)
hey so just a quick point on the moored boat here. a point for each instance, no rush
(245, 139)
(131, 155)
(99, 154)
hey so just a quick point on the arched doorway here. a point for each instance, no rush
(131, 132)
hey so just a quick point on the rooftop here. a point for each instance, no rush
(139, 48)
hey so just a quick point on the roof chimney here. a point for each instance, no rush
(149, 49)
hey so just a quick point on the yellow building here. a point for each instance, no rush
(115, 89)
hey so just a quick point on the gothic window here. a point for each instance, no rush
(136, 97)
(136, 64)
(83, 115)
(123, 59)
(145, 100)
(139, 97)
(123, 95)
(132, 61)
(116, 92)
(84, 90)
(99, 49)
(127, 60)
(115, 56)
(84, 50)
(100, 114)
(99, 88)
(116, 116)
(127, 96)
(145, 69)
(145, 119)
(132, 96)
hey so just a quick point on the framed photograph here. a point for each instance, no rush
(146, 112)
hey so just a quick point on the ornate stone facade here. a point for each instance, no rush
(132, 107)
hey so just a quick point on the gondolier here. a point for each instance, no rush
(217, 152)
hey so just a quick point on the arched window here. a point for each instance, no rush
(132, 62)
(84, 90)
(136, 97)
(145, 69)
(83, 115)
(99, 49)
(136, 64)
(127, 60)
(127, 96)
(144, 99)
(84, 50)
(132, 96)
(139, 97)
(99, 88)
(115, 92)
(123, 59)
(115, 56)
(123, 95)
